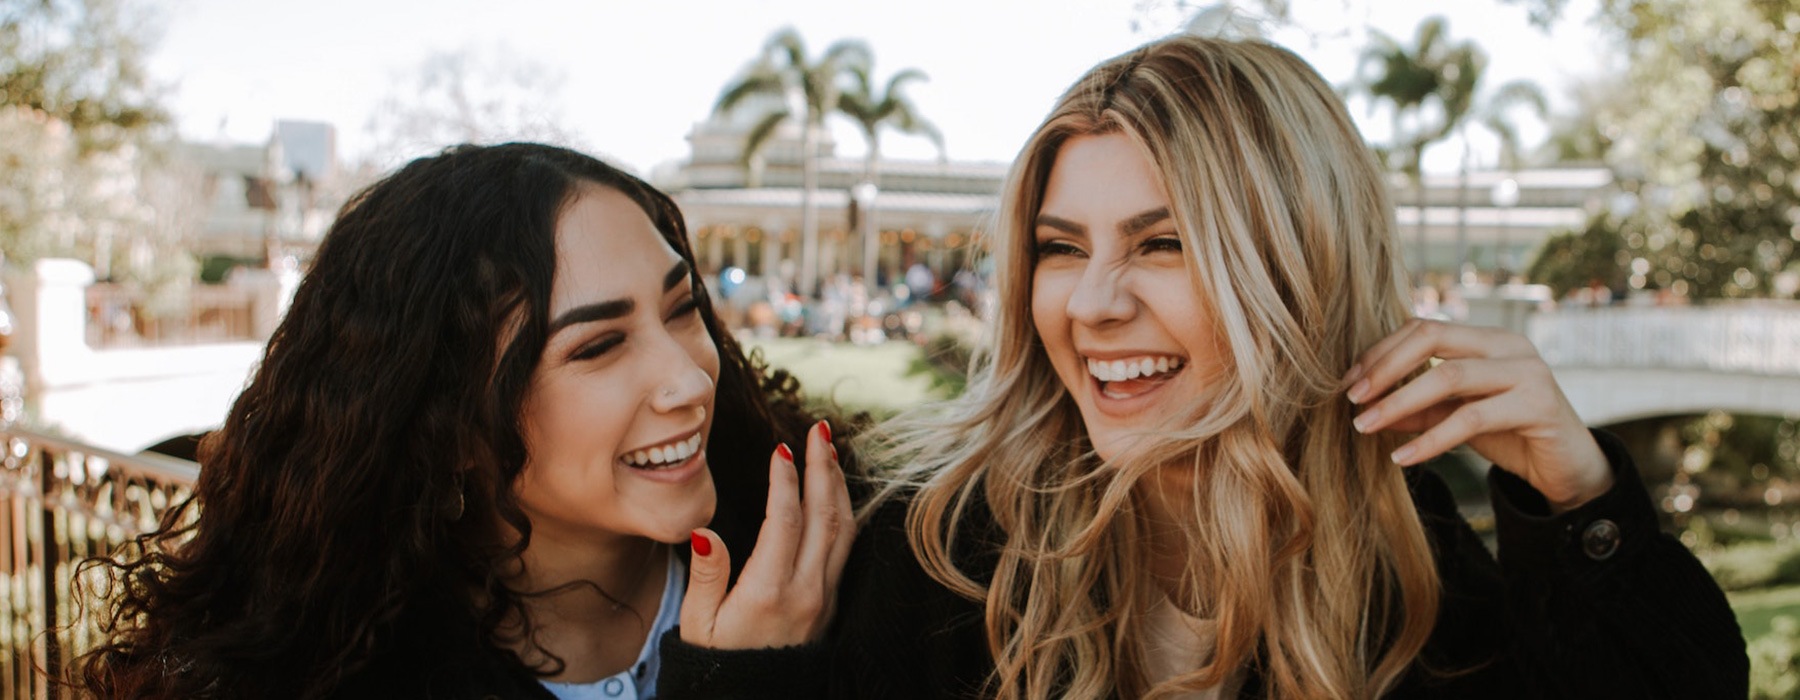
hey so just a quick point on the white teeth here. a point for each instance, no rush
(1121, 370)
(664, 455)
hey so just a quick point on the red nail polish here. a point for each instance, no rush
(825, 430)
(702, 546)
(787, 454)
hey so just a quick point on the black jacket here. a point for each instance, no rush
(1593, 603)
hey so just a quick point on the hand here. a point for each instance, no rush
(788, 590)
(1492, 391)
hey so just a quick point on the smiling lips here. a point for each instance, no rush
(664, 456)
(1129, 377)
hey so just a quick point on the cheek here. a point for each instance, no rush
(1049, 303)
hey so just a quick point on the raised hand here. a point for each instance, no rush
(788, 589)
(1491, 390)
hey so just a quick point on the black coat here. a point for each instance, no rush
(1593, 603)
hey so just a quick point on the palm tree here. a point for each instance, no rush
(1494, 114)
(1432, 72)
(804, 89)
(872, 110)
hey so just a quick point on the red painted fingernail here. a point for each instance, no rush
(825, 430)
(787, 454)
(834, 456)
(702, 546)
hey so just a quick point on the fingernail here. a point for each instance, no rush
(1368, 418)
(1357, 391)
(1403, 456)
(825, 430)
(1355, 373)
(834, 456)
(702, 546)
(787, 454)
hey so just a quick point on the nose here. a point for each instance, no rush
(683, 385)
(1101, 296)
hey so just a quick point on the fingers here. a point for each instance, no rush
(1452, 379)
(1394, 357)
(708, 575)
(776, 543)
(1491, 415)
(827, 506)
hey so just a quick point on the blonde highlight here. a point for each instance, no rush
(1305, 547)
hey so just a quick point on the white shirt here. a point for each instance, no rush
(1178, 643)
(639, 681)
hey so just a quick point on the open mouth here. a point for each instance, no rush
(1128, 377)
(664, 456)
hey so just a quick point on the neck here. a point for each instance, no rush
(624, 568)
(594, 633)
(1165, 500)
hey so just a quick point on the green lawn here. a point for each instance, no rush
(1756, 608)
(873, 378)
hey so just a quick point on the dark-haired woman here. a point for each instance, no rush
(479, 459)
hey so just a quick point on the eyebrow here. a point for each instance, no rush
(1137, 224)
(1129, 227)
(615, 308)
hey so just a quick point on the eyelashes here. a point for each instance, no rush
(688, 309)
(1159, 244)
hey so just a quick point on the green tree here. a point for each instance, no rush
(785, 83)
(1572, 260)
(1705, 134)
(83, 172)
(1429, 87)
(872, 110)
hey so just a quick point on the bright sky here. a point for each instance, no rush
(637, 75)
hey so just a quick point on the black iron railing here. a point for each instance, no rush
(60, 503)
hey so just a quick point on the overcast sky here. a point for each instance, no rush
(637, 75)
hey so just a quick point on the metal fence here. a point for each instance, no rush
(60, 503)
(1761, 339)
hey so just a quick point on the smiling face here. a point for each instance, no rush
(1112, 298)
(617, 414)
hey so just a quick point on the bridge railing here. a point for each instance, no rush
(60, 503)
(1746, 339)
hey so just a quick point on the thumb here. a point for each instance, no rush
(708, 575)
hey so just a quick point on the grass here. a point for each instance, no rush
(873, 378)
(1756, 609)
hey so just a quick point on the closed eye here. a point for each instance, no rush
(688, 308)
(1162, 244)
(1050, 249)
(600, 346)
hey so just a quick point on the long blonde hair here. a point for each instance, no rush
(1302, 539)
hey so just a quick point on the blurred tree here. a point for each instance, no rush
(871, 111)
(1705, 135)
(784, 83)
(1429, 87)
(468, 96)
(81, 63)
(1493, 114)
(1569, 261)
(82, 139)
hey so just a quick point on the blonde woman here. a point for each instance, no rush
(1182, 470)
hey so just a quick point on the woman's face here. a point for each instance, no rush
(1111, 295)
(617, 414)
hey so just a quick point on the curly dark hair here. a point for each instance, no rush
(387, 404)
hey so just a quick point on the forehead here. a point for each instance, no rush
(1103, 172)
(607, 248)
